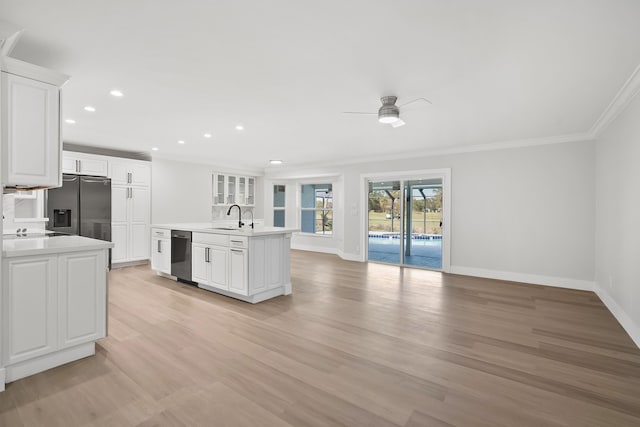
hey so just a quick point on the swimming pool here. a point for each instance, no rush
(426, 250)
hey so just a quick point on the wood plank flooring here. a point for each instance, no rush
(354, 345)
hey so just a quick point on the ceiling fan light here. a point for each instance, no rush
(388, 118)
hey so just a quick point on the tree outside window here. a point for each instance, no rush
(316, 215)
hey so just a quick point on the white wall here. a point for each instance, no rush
(180, 192)
(521, 214)
(618, 218)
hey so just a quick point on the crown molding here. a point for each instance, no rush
(619, 103)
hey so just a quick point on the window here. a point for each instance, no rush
(316, 215)
(278, 205)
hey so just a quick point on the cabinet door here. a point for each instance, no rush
(69, 164)
(31, 134)
(156, 254)
(218, 261)
(82, 295)
(258, 273)
(200, 266)
(30, 311)
(139, 201)
(93, 166)
(140, 174)
(242, 190)
(139, 243)
(120, 239)
(231, 190)
(238, 271)
(119, 204)
(165, 248)
(119, 172)
(251, 191)
(219, 189)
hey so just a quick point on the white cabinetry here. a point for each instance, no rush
(209, 259)
(30, 110)
(130, 209)
(130, 172)
(238, 271)
(161, 250)
(30, 307)
(51, 305)
(84, 164)
(248, 268)
(232, 189)
(81, 297)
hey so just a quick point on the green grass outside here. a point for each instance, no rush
(379, 222)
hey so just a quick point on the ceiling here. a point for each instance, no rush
(495, 71)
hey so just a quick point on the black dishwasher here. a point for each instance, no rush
(181, 256)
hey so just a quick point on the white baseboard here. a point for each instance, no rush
(632, 328)
(559, 282)
(48, 361)
(312, 248)
(2, 379)
(349, 257)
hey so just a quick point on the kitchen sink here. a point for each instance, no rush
(226, 228)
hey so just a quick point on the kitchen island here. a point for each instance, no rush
(53, 301)
(248, 264)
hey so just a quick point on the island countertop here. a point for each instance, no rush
(27, 246)
(212, 228)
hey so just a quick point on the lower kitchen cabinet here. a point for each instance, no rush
(51, 303)
(30, 307)
(82, 290)
(238, 271)
(161, 250)
(209, 265)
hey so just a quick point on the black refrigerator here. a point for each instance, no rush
(81, 206)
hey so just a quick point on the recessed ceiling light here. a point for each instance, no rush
(275, 162)
(70, 121)
(181, 142)
(207, 135)
(239, 127)
(116, 92)
(155, 149)
(89, 108)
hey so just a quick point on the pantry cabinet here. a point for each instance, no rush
(30, 114)
(130, 209)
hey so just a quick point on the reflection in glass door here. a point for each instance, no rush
(405, 222)
(384, 221)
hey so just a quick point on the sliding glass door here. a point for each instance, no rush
(405, 222)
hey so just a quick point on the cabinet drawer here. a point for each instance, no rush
(161, 233)
(238, 241)
(211, 239)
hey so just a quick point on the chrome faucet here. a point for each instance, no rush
(251, 212)
(240, 223)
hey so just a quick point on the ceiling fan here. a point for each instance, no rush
(389, 112)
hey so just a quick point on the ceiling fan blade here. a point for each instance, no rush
(358, 112)
(398, 123)
(416, 100)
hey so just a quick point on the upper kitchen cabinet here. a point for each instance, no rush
(232, 189)
(84, 164)
(130, 172)
(30, 110)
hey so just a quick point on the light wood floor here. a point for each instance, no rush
(354, 345)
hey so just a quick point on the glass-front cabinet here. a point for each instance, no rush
(233, 189)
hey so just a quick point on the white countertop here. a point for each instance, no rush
(213, 228)
(50, 245)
